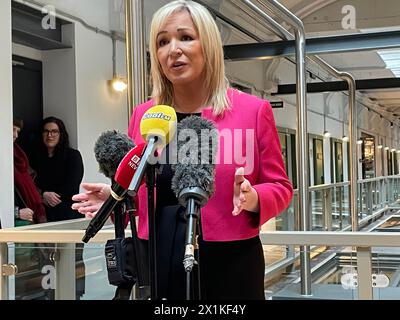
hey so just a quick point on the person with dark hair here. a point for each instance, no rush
(188, 73)
(28, 205)
(59, 170)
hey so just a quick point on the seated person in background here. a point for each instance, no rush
(28, 203)
(59, 170)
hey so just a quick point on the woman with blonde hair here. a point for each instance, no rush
(187, 70)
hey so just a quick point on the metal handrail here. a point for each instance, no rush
(362, 241)
(329, 186)
(331, 238)
(52, 236)
(378, 178)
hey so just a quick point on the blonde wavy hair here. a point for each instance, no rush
(210, 40)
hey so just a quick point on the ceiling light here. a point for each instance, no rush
(345, 138)
(391, 58)
(119, 84)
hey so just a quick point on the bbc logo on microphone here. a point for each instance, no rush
(134, 162)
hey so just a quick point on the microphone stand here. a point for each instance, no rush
(193, 198)
(191, 247)
(142, 283)
(150, 184)
(146, 168)
(123, 291)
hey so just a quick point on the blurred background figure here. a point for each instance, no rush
(28, 203)
(59, 170)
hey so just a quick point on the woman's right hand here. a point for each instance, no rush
(26, 214)
(89, 202)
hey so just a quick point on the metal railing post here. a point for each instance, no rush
(65, 272)
(135, 54)
(364, 270)
(302, 141)
(328, 209)
(369, 198)
(3, 277)
(341, 197)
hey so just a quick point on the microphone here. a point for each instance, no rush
(157, 127)
(193, 180)
(110, 148)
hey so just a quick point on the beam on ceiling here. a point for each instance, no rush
(314, 46)
(332, 86)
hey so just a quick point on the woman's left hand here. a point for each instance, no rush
(245, 197)
(52, 199)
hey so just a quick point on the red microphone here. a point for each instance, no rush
(128, 166)
(123, 176)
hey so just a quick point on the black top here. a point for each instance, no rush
(62, 174)
(165, 195)
(171, 229)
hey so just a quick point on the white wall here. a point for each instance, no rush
(75, 81)
(26, 52)
(6, 144)
(93, 12)
(59, 86)
(98, 109)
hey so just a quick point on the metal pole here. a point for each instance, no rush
(352, 135)
(135, 53)
(114, 54)
(353, 150)
(302, 141)
(129, 55)
(283, 33)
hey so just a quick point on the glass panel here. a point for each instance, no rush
(317, 222)
(333, 276)
(337, 209)
(386, 273)
(318, 162)
(80, 272)
(346, 206)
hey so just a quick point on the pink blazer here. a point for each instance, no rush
(259, 153)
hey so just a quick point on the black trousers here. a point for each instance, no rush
(228, 270)
(232, 270)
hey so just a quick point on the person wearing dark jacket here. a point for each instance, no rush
(59, 170)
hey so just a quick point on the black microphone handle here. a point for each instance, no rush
(192, 214)
(117, 192)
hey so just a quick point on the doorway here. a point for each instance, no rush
(27, 98)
